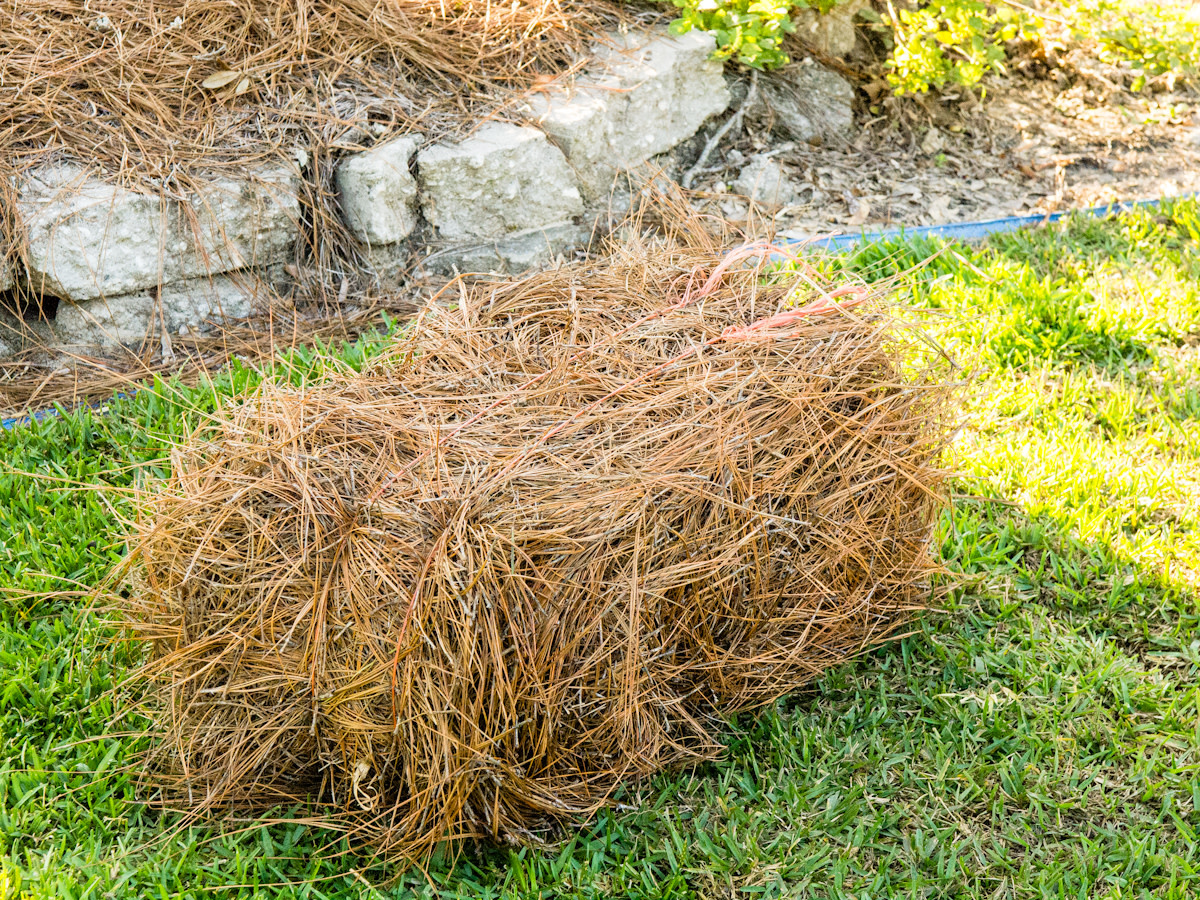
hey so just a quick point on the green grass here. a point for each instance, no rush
(1039, 738)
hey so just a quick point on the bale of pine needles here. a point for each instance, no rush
(547, 543)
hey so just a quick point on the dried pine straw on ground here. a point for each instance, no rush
(285, 325)
(547, 543)
(155, 88)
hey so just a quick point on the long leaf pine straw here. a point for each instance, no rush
(549, 542)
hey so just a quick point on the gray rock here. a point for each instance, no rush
(19, 334)
(504, 178)
(517, 253)
(764, 180)
(14, 334)
(128, 319)
(933, 142)
(89, 238)
(387, 264)
(831, 33)
(639, 98)
(805, 102)
(378, 192)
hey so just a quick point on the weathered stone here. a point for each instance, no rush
(638, 99)
(16, 334)
(504, 178)
(805, 102)
(128, 319)
(378, 192)
(831, 33)
(89, 238)
(388, 264)
(764, 180)
(24, 332)
(670, 87)
(933, 142)
(517, 253)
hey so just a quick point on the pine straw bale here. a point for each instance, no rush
(545, 545)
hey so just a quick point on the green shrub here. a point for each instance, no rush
(951, 42)
(748, 31)
(940, 43)
(1152, 41)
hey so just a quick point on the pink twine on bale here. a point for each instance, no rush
(826, 304)
(757, 248)
(760, 329)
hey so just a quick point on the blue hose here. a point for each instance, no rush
(976, 231)
(42, 414)
(10, 424)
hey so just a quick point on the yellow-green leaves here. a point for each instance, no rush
(748, 31)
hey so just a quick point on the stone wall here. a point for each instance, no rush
(511, 196)
(123, 265)
(118, 264)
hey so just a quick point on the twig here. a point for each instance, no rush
(734, 121)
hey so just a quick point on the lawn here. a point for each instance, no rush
(1040, 737)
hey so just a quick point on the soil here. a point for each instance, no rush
(1072, 137)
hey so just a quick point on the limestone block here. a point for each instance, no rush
(516, 253)
(831, 33)
(504, 178)
(129, 318)
(378, 192)
(640, 97)
(90, 238)
(806, 102)
(764, 180)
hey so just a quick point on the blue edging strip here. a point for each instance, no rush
(10, 424)
(962, 231)
(975, 231)
(42, 414)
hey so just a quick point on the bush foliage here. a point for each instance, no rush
(942, 43)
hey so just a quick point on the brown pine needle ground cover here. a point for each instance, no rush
(29, 385)
(155, 89)
(557, 534)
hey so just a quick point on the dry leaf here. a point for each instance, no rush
(875, 88)
(218, 80)
(933, 142)
(861, 213)
(939, 209)
(243, 86)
